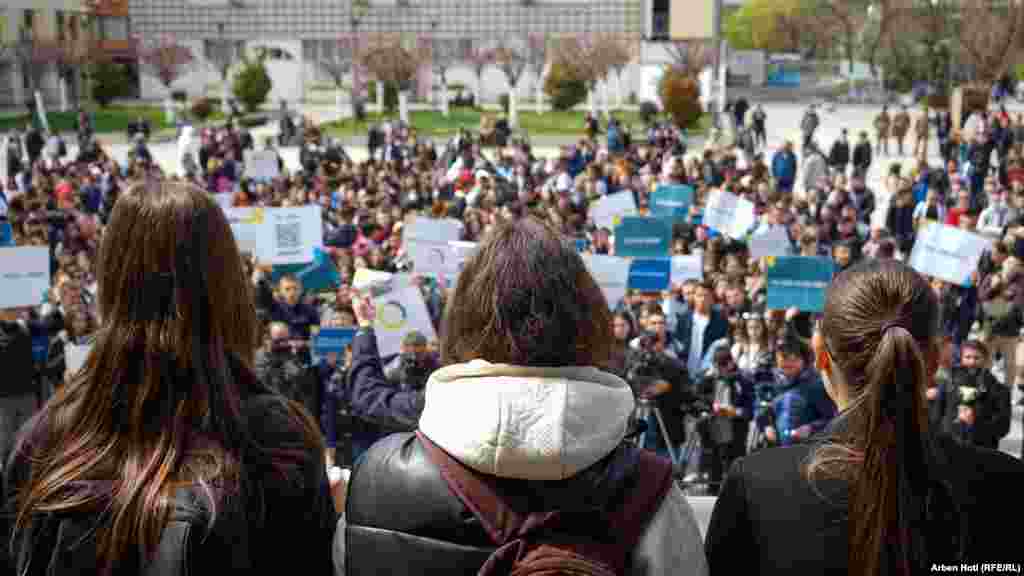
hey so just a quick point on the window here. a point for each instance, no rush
(113, 27)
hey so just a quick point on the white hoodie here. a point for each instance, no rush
(536, 423)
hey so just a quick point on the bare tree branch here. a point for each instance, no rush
(164, 58)
(988, 35)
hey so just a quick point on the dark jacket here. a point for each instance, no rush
(801, 402)
(717, 328)
(299, 318)
(373, 398)
(298, 514)
(991, 404)
(16, 359)
(769, 520)
(402, 518)
(839, 156)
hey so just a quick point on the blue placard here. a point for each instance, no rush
(672, 200)
(650, 275)
(582, 244)
(321, 275)
(798, 282)
(332, 340)
(6, 234)
(637, 237)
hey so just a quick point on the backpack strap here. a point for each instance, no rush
(607, 534)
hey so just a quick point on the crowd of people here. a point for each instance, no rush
(728, 376)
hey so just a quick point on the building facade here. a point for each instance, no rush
(21, 22)
(297, 32)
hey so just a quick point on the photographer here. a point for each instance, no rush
(724, 435)
(981, 403)
(657, 377)
(411, 368)
(283, 365)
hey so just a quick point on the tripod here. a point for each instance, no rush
(644, 408)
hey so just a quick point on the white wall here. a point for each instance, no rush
(204, 78)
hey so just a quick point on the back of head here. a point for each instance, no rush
(526, 298)
(156, 403)
(879, 351)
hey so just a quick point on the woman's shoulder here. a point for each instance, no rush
(976, 465)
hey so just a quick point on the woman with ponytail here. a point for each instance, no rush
(877, 492)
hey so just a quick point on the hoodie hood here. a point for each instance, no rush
(527, 423)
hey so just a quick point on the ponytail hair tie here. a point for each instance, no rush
(895, 323)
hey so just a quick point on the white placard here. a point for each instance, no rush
(427, 241)
(24, 276)
(261, 164)
(774, 242)
(278, 235)
(75, 356)
(687, 267)
(948, 253)
(608, 211)
(729, 214)
(399, 312)
(611, 273)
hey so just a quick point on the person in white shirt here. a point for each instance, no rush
(997, 215)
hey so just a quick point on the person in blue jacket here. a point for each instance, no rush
(802, 407)
(784, 167)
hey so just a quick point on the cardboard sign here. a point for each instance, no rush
(799, 282)
(643, 238)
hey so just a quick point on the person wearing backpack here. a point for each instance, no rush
(165, 454)
(522, 462)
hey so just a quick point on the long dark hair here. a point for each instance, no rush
(159, 402)
(880, 328)
(525, 297)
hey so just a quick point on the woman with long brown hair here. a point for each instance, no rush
(164, 452)
(878, 492)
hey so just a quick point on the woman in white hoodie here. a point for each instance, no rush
(523, 409)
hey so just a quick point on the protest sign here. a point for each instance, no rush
(261, 164)
(399, 312)
(278, 235)
(607, 212)
(672, 200)
(774, 242)
(729, 214)
(611, 273)
(948, 253)
(426, 242)
(650, 275)
(320, 275)
(638, 237)
(798, 282)
(24, 276)
(334, 340)
(6, 235)
(687, 267)
(374, 281)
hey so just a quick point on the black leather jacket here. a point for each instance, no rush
(402, 519)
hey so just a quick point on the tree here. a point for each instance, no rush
(444, 55)
(252, 83)
(479, 57)
(771, 25)
(67, 56)
(620, 56)
(680, 95)
(590, 55)
(339, 59)
(389, 61)
(510, 57)
(691, 57)
(536, 61)
(989, 34)
(841, 20)
(166, 60)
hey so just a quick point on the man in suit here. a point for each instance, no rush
(699, 328)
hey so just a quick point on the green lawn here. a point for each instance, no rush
(432, 123)
(114, 119)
